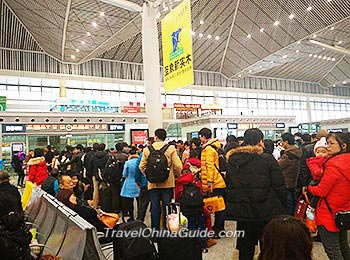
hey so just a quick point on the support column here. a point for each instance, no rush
(151, 68)
(0, 143)
(308, 107)
(63, 88)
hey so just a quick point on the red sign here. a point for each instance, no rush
(131, 109)
(139, 136)
(190, 106)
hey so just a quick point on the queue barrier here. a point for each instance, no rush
(60, 230)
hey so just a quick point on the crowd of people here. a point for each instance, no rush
(260, 181)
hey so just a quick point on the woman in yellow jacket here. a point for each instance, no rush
(212, 180)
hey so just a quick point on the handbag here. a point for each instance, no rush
(341, 218)
(300, 210)
(108, 219)
(214, 204)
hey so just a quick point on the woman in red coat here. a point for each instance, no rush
(334, 187)
(37, 171)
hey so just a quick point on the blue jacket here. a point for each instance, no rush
(130, 188)
(139, 177)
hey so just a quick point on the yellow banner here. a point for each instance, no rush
(177, 48)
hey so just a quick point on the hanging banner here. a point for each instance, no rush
(177, 48)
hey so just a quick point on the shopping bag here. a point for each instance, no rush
(214, 204)
(27, 193)
(303, 202)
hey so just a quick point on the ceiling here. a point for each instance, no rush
(60, 28)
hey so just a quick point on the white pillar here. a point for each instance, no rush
(151, 68)
(63, 88)
(308, 105)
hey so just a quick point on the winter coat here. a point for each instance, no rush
(49, 185)
(76, 162)
(210, 165)
(289, 163)
(99, 161)
(139, 177)
(7, 188)
(174, 163)
(193, 164)
(315, 165)
(14, 244)
(335, 187)
(130, 188)
(304, 177)
(255, 185)
(37, 172)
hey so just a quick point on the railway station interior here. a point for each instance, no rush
(82, 77)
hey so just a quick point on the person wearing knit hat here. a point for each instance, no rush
(315, 164)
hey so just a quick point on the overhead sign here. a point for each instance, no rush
(139, 136)
(177, 48)
(66, 127)
(13, 128)
(3, 101)
(280, 125)
(116, 127)
(232, 126)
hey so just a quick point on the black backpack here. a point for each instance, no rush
(157, 170)
(222, 160)
(128, 247)
(113, 171)
(191, 200)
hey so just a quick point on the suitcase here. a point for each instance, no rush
(106, 199)
(180, 248)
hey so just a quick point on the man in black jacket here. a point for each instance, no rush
(255, 191)
(7, 188)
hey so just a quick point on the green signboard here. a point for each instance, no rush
(2, 103)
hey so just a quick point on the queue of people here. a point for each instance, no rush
(260, 185)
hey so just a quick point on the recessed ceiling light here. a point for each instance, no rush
(332, 28)
(309, 8)
(320, 56)
(201, 22)
(239, 75)
(340, 42)
(94, 24)
(77, 50)
(217, 38)
(271, 61)
(324, 57)
(315, 56)
(329, 1)
(310, 55)
(200, 35)
(262, 30)
(314, 36)
(82, 42)
(297, 51)
(193, 33)
(333, 59)
(88, 34)
(260, 67)
(276, 23)
(298, 42)
(334, 85)
(285, 56)
(250, 71)
(329, 58)
(291, 16)
(73, 57)
(344, 82)
(102, 14)
(249, 36)
(323, 48)
(209, 36)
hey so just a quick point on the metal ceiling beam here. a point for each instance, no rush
(332, 48)
(229, 36)
(127, 5)
(69, 3)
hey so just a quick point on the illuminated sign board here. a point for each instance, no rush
(116, 127)
(280, 125)
(13, 128)
(66, 127)
(232, 126)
